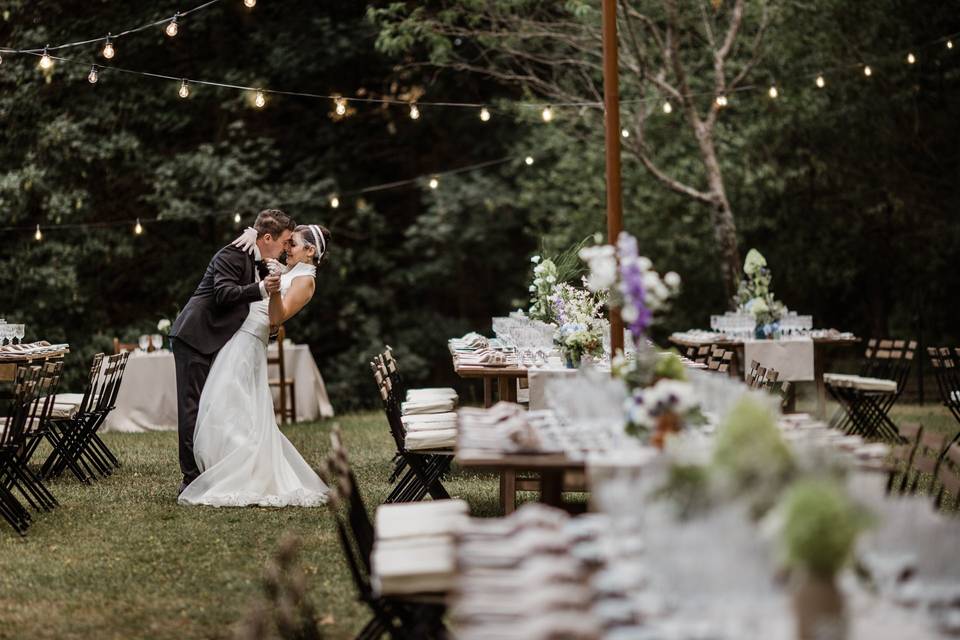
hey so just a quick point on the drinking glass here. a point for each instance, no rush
(18, 331)
(5, 333)
(157, 341)
(144, 342)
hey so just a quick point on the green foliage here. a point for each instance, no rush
(669, 365)
(821, 525)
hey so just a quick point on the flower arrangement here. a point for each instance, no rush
(164, 326)
(755, 297)
(634, 286)
(576, 339)
(544, 281)
(666, 407)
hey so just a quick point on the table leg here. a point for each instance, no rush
(487, 393)
(508, 388)
(508, 492)
(818, 377)
(551, 488)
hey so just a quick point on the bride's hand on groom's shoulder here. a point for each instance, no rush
(247, 240)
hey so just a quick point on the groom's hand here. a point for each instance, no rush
(272, 283)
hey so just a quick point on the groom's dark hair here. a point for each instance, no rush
(274, 222)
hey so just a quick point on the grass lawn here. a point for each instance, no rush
(120, 559)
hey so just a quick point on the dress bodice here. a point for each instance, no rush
(258, 319)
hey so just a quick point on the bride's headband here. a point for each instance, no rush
(318, 239)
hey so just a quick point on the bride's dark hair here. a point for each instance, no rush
(320, 251)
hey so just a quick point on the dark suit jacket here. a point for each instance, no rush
(220, 304)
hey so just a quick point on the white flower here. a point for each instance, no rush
(645, 262)
(551, 279)
(629, 313)
(163, 325)
(535, 259)
(533, 287)
(672, 279)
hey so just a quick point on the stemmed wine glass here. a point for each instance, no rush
(157, 341)
(144, 343)
(18, 332)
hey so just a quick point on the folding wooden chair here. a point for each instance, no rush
(400, 619)
(901, 457)
(929, 453)
(287, 408)
(944, 362)
(12, 427)
(949, 476)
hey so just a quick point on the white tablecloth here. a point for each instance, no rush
(147, 400)
(537, 381)
(791, 357)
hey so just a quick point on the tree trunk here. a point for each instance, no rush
(724, 228)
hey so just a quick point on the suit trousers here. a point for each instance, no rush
(192, 368)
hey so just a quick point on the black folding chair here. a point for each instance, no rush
(422, 471)
(949, 476)
(76, 444)
(12, 428)
(946, 368)
(866, 407)
(400, 619)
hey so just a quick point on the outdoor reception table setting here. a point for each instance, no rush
(147, 400)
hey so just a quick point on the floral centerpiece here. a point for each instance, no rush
(163, 327)
(667, 407)
(578, 314)
(544, 280)
(755, 297)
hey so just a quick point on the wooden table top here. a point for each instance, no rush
(12, 360)
(485, 459)
(727, 342)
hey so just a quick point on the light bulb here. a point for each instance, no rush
(249, 4)
(38, 236)
(334, 202)
(528, 160)
(341, 107)
(236, 218)
(1, 59)
(172, 28)
(721, 101)
(911, 58)
(949, 44)
(414, 112)
(139, 228)
(484, 114)
(821, 83)
(434, 183)
(45, 60)
(92, 76)
(547, 114)
(867, 71)
(184, 89)
(625, 133)
(260, 100)
(667, 107)
(773, 92)
(108, 50)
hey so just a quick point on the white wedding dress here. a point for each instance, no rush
(243, 457)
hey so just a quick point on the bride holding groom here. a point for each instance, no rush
(231, 451)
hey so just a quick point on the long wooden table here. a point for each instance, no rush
(10, 363)
(820, 346)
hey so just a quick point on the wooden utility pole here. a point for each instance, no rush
(611, 104)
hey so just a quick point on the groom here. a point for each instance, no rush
(213, 314)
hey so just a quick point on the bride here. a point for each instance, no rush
(243, 457)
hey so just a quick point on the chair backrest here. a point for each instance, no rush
(108, 382)
(93, 382)
(391, 406)
(42, 408)
(25, 386)
(929, 451)
(279, 359)
(943, 361)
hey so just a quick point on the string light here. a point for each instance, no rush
(92, 77)
(139, 228)
(547, 114)
(414, 112)
(528, 160)
(821, 83)
(184, 89)
(172, 28)
(625, 133)
(341, 106)
(484, 114)
(667, 107)
(911, 58)
(949, 44)
(249, 4)
(773, 92)
(260, 100)
(38, 236)
(1, 59)
(721, 101)
(867, 71)
(334, 202)
(108, 50)
(236, 218)
(45, 60)
(434, 182)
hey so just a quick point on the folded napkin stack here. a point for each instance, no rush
(414, 548)
(430, 431)
(13, 351)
